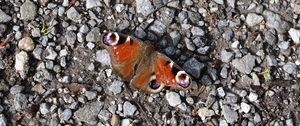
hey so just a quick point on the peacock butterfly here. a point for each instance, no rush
(137, 62)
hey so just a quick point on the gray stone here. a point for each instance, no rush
(223, 123)
(128, 109)
(197, 31)
(28, 10)
(230, 115)
(90, 95)
(66, 114)
(45, 40)
(194, 17)
(144, 7)
(205, 112)
(90, 45)
(253, 19)
(140, 33)
(252, 97)
(42, 75)
(49, 64)
(182, 17)
(51, 53)
(20, 101)
(71, 38)
(219, 1)
(275, 21)
(89, 112)
(189, 44)
(295, 34)
(4, 17)
(61, 11)
(224, 71)
(103, 57)
(73, 15)
(290, 68)
(92, 3)
(125, 122)
(84, 29)
(116, 87)
(188, 2)
(270, 38)
(21, 64)
(257, 118)
(193, 67)
(175, 36)
(226, 56)
(93, 35)
(16, 89)
(44, 108)
(36, 32)
(245, 64)
(63, 62)
(26, 44)
(173, 98)
(170, 51)
(166, 15)
(124, 24)
(271, 60)
(54, 121)
(199, 42)
(3, 120)
(206, 80)
(245, 107)
(203, 50)
(228, 34)
(104, 115)
(37, 52)
(284, 45)
(158, 28)
(295, 4)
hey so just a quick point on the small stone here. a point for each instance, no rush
(129, 109)
(271, 60)
(223, 123)
(71, 38)
(36, 32)
(3, 120)
(245, 64)
(65, 3)
(103, 57)
(44, 108)
(173, 98)
(194, 67)
(170, 51)
(253, 19)
(20, 101)
(295, 4)
(16, 89)
(245, 107)
(26, 44)
(188, 2)
(190, 100)
(4, 17)
(125, 122)
(92, 3)
(73, 15)
(270, 38)
(51, 53)
(189, 44)
(61, 11)
(63, 53)
(197, 31)
(54, 121)
(90, 45)
(275, 21)
(90, 95)
(228, 34)
(84, 29)
(158, 27)
(175, 36)
(230, 115)
(257, 118)
(104, 115)
(226, 56)
(284, 45)
(295, 35)
(28, 10)
(205, 112)
(21, 64)
(221, 2)
(144, 7)
(290, 68)
(166, 15)
(203, 50)
(119, 7)
(224, 71)
(289, 122)
(116, 87)
(221, 92)
(252, 97)
(66, 114)
(89, 112)
(93, 35)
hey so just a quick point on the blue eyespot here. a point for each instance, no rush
(154, 84)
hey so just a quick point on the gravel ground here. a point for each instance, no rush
(243, 56)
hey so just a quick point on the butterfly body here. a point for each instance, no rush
(146, 69)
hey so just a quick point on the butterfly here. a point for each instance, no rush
(137, 62)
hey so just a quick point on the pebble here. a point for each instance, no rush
(3, 120)
(89, 112)
(166, 15)
(252, 97)
(104, 115)
(28, 10)
(90, 45)
(44, 108)
(90, 95)
(284, 45)
(20, 101)
(245, 107)
(21, 64)
(193, 67)
(223, 123)
(245, 64)
(255, 79)
(203, 50)
(51, 53)
(253, 19)
(84, 29)
(226, 56)
(92, 3)
(228, 34)
(144, 7)
(26, 44)
(295, 35)
(54, 122)
(221, 92)
(116, 87)
(93, 35)
(205, 112)
(103, 57)
(158, 27)
(230, 115)
(271, 60)
(275, 21)
(4, 17)
(73, 15)
(197, 31)
(65, 3)
(221, 2)
(125, 122)
(189, 45)
(224, 71)
(290, 68)
(16, 89)
(257, 118)
(270, 38)
(173, 98)
(36, 32)
(128, 109)
(66, 114)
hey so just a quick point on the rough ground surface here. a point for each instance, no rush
(243, 55)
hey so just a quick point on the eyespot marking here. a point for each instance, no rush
(111, 39)
(183, 79)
